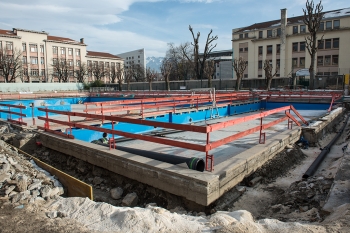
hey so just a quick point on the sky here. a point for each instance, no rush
(118, 26)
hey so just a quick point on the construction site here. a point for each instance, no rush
(197, 160)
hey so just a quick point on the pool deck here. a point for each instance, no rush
(233, 161)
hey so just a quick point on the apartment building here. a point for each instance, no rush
(40, 53)
(134, 58)
(282, 42)
(223, 63)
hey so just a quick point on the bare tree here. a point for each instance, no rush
(150, 76)
(312, 19)
(209, 67)
(11, 64)
(60, 69)
(80, 72)
(128, 75)
(98, 70)
(166, 68)
(268, 73)
(120, 76)
(239, 65)
(199, 61)
(138, 73)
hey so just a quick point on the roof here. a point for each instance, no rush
(298, 19)
(7, 32)
(101, 54)
(61, 39)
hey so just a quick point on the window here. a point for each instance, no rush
(42, 60)
(295, 29)
(54, 61)
(329, 25)
(77, 52)
(42, 73)
(260, 50)
(240, 36)
(138, 56)
(320, 60)
(295, 62)
(320, 44)
(260, 34)
(33, 48)
(321, 28)
(295, 47)
(302, 28)
(54, 50)
(245, 75)
(246, 49)
(70, 51)
(278, 31)
(260, 76)
(78, 62)
(278, 48)
(335, 43)
(139, 61)
(336, 24)
(34, 60)
(269, 49)
(246, 35)
(259, 64)
(25, 71)
(302, 46)
(107, 64)
(335, 60)
(42, 49)
(24, 60)
(241, 49)
(9, 45)
(327, 60)
(302, 61)
(24, 47)
(34, 72)
(269, 33)
(63, 51)
(278, 63)
(328, 44)
(70, 62)
(319, 73)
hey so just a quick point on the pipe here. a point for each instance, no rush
(313, 168)
(192, 163)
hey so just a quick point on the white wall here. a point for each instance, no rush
(34, 87)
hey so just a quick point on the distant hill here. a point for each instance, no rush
(154, 63)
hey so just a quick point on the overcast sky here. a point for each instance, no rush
(118, 26)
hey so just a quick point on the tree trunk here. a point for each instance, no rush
(128, 85)
(238, 83)
(269, 81)
(209, 82)
(312, 73)
(167, 84)
(120, 86)
(150, 86)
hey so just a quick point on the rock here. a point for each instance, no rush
(179, 210)
(303, 208)
(12, 162)
(97, 180)
(81, 167)
(45, 191)
(18, 167)
(40, 175)
(97, 171)
(22, 183)
(46, 153)
(17, 197)
(61, 214)
(12, 193)
(39, 199)
(130, 200)
(5, 168)
(35, 185)
(116, 193)
(56, 191)
(3, 160)
(19, 207)
(5, 177)
(52, 214)
(241, 189)
(35, 193)
(9, 189)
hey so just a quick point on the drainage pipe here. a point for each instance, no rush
(192, 163)
(313, 168)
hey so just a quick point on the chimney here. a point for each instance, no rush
(82, 40)
(283, 38)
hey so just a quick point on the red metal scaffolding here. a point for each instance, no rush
(20, 114)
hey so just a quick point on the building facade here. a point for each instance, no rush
(42, 55)
(282, 42)
(134, 58)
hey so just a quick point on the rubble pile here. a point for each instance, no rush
(22, 182)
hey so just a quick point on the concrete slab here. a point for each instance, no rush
(233, 161)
